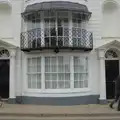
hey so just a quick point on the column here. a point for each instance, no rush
(42, 30)
(102, 79)
(12, 76)
(70, 29)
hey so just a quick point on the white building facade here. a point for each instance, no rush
(59, 52)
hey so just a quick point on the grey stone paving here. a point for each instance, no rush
(42, 109)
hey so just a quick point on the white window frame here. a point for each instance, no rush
(86, 72)
(29, 73)
(58, 72)
(70, 27)
(43, 90)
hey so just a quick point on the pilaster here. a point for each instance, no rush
(102, 79)
(12, 74)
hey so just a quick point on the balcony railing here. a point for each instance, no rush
(76, 39)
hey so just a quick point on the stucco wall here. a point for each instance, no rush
(11, 29)
(11, 25)
(5, 22)
(94, 26)
(10, 21)
(94, 6)
(112, 32)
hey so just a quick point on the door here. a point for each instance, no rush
(112, 71)
(4, 78)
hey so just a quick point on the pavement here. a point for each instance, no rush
(48, 109)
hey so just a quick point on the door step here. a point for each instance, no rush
(5, 100)
(109, 100)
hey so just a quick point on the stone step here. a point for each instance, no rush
(5, 100)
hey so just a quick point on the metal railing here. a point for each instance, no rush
(36, 39)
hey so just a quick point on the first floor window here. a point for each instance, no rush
(59, 72)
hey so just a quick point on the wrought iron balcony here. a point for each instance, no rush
(76, 39)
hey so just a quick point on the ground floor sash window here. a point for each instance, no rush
(34, 73)
(57, 72)
(80, 72)
(60, 72)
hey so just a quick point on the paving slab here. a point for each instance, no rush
(48, 109)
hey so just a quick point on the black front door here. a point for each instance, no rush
(4, 78)
(112, 71)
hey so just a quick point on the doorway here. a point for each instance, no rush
(112, 71)
(4, 78)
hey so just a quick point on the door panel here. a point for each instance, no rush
(4, 78)
(112, 71)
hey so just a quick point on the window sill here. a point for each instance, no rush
(59, 91)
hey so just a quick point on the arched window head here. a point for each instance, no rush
(111, 54)
(4, 53)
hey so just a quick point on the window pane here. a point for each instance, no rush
(54, 76)
(67, 76)
(54, 85)
(52, 22)
(60, 76)
(65, 22)
(59, 22)
(67, 84)
(39, 81)
(46, 23)
(47, 64)
(60, 31)
(29, 81)
(85, 83)
(52, 32)
(33, 21)
(61, 84)
(47, 84)
(38, 25)
(34, 82)
(47, 76)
